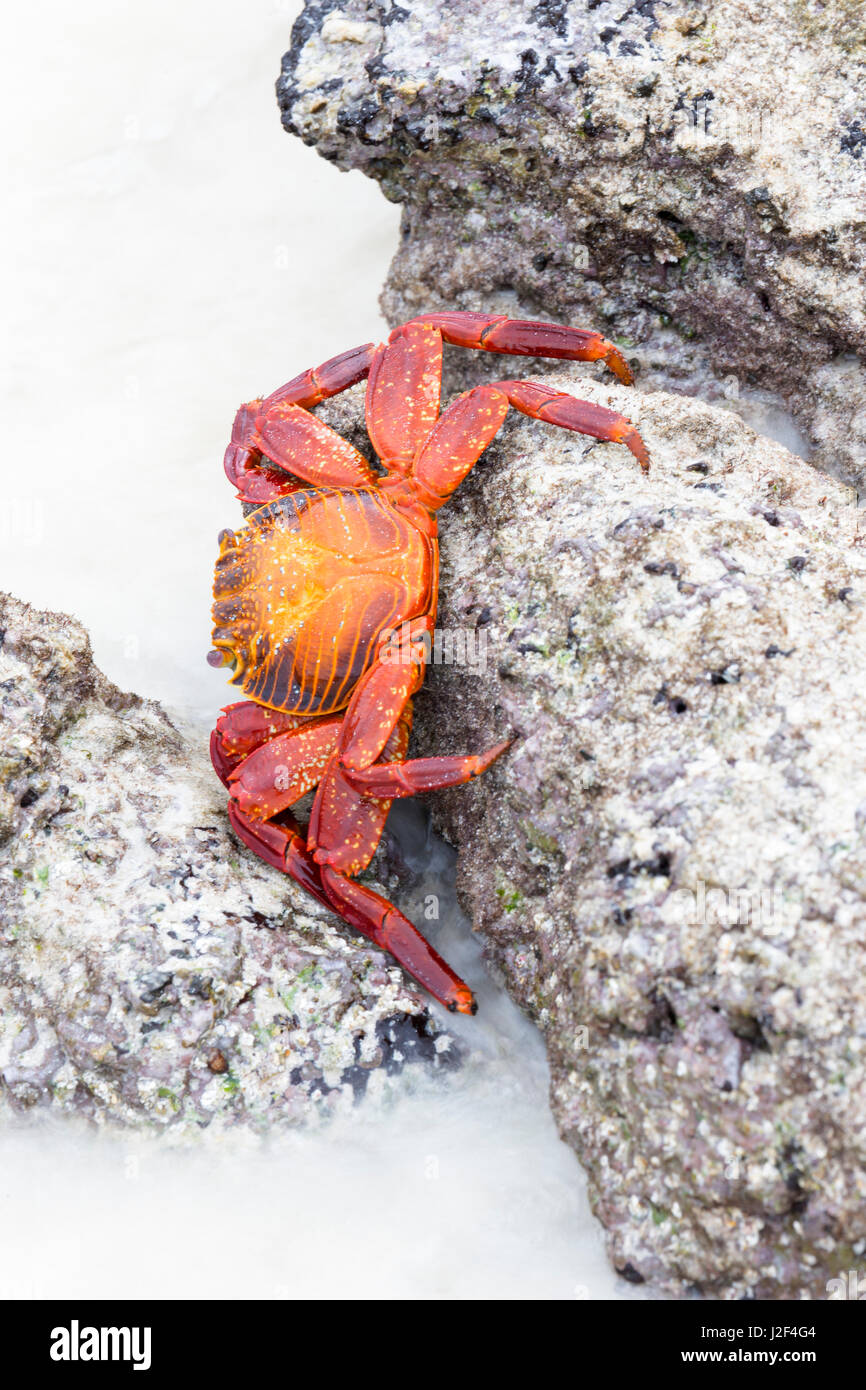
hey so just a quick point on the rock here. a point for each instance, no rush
(669, 865)
(691, 181)
(152, 971)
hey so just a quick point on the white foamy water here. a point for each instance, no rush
(170, 252)
(458, 1188)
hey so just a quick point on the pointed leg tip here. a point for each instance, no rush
(619, 366)
(484, 760)
(463, 1003)
(633, 441)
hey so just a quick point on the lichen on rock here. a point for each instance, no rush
(153, 973)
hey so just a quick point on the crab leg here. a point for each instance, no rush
(275, 774)
(422, 774)
(526, 338)
(281, 771)
(403, 394)
(282, 846)
(309, 449)
(378, 919)
(459, 439)
(381, 696)
(264, 781)
(320, 383)
(345, 828)
(366, 772)
(241, 728)
(559, 408)
(469, 424)
(243, 466)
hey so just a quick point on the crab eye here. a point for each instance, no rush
(218, 656)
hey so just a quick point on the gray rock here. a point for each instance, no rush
(692, 181)
(669, 866)
(154, 973)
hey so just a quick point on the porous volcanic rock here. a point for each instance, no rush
(669, 865)
(154, 973)
(689, 179)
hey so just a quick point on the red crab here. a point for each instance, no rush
(333, 562)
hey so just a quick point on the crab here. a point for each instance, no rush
(325, 601)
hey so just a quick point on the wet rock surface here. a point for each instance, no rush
(669, 865)
(152, 972)
(690, 180)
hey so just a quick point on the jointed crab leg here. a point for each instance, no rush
(403, 400)
(525, 338)
(309, 449)
(241, 728)
(320, 383)
(378, 919)
(243, 458)
(278, 774)
(403, 394)
(345, 829)
(243, 731)
(469, 424)
(560, 408)
(365, 773)
(381, 697)
(244, 466)
(282, 846)
(423, 774)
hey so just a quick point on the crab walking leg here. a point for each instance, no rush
(243, 464)
(242, 728)
(559, 408)
(309, 449)
(403, 390)
(460, 437)
(469, 424)
(422, 774)
(381, 696)
(367, 771)
(320, 383)
(526, 338)
(283, 846)
(252, 754)
(281, 771)
(345, 828)
(354, 824)
(378, 919)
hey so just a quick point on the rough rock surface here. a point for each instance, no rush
(152, 972)
(691, 180)
(669, 866)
